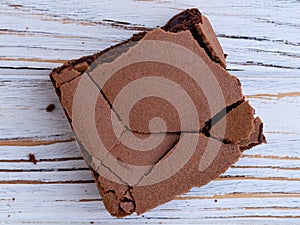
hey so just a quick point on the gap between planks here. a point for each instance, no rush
(33, 60)
(244, 195)
(85, 168)
(236, 195)
(30, 142)
(274, 96)
(234, 178)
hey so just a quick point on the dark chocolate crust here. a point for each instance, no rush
(122, 200)
(185, 20)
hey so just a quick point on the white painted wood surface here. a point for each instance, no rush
(262, 41)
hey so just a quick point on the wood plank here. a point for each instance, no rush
(46, 177)
(245, 205)
(50, 152)
(281, 50)
(23, 103)
(45, 166)
(32, 96)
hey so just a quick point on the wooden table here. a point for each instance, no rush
(262, 41)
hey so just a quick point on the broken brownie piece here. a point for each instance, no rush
(157, 114)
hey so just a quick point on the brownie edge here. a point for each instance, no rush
(122, 199)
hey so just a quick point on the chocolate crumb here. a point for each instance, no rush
(32, 158)
(50, 107)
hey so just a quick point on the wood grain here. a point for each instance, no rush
(261, 39)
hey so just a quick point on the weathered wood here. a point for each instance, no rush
(261, 39)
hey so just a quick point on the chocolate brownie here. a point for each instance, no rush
(157, 114)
